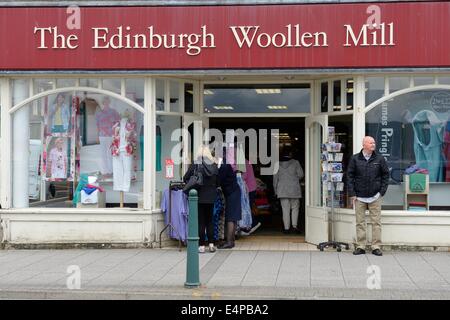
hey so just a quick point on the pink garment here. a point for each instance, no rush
(249, 177)
(446, 152)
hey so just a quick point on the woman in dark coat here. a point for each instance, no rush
(206, 195)
(232, 193)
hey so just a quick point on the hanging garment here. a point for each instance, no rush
(58, 160)
(447, 151)
(428, 140)
(158, 148)
(246, 221)
(179, 213)
(219, 207)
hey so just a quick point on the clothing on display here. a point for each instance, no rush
(122, 149)
(179, 212)
(446, 151)
(246, 221)
(58, 160)
(105, 120)
(158, 142)
(60, 116)
(428, 142)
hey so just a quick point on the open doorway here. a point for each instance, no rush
(268, 209)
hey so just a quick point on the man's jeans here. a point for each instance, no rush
(375, 214)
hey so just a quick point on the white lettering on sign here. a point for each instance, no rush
(291, 37)
(123, 38)
(375, 38)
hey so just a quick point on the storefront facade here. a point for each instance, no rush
(171, 71)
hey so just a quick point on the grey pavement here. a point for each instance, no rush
(240, 274)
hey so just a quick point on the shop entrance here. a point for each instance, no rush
(267, 209)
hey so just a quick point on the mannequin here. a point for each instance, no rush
(124, 141)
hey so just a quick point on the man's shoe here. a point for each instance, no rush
(201, 249)
(212, 248)
(359, 251)
(377, 252)
(226, 245)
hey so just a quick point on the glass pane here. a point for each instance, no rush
(188, 97)
(41, 85)
(160, 94)
(89, 83)
(112, 85)
(20, 90)
(349, 91)
(175, 96)
(62, 83)
(398, 83)
(167, 149)
(337, 95)
(422, 81)
(69, 137)
(135, 90)
(444, 80)
(257, 98)
(324, 97)
(315, 143)
(414, 129)
(343, 134)
(374, 89)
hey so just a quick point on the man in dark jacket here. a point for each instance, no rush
(368, 177)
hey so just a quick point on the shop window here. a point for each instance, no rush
(188, 97)
(374, 88)
(337, 95)
(398, 83)
(324, 97)
(422, 81)
(160, 94)
(113, 85)
(93, 83)
(175, 96)
(74, 139)
(349, 93)
(414, 129)
(64, 83)
(20, 90)
(444, 80)
(257, 98)
(167, 148)
(135, 90)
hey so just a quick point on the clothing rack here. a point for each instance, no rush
(173, 185)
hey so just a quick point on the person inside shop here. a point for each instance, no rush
(368, 178)
(59, 115)
(206, 164)
(232, 194)
(106, 117)
(286, 184)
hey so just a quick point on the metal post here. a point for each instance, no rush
(192, 264)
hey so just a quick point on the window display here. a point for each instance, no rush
(60, 124)
(411, 130)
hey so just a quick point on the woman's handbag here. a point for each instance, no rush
(195, 181)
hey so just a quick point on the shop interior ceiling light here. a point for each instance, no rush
(267, 91)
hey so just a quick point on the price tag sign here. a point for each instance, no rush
(169, 169)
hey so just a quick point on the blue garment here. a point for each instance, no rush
(179, 213)
(246, 221)
(218, 210)
(89, 190)
(428, 140)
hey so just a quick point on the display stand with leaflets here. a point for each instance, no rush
(333, 187)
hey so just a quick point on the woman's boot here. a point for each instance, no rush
(231, 229)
